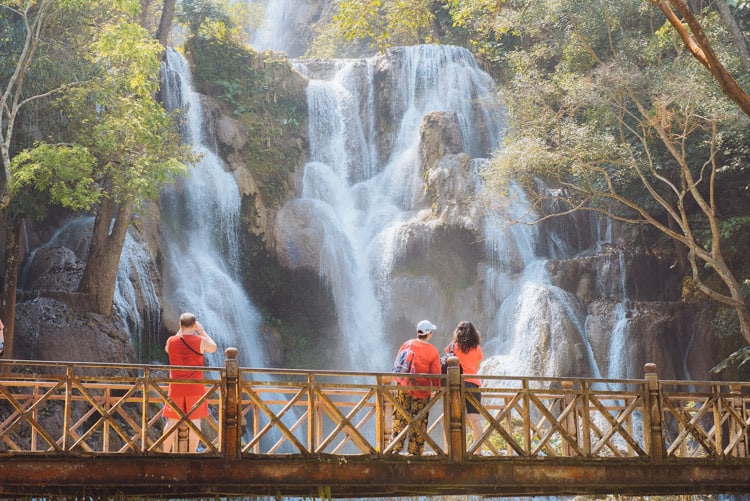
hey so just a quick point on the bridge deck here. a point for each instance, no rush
(329, 477)
(96, 429)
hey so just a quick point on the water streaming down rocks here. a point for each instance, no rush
(362, 205)
(285, 26)
(393, 214)
(200, 239)
(48, 304)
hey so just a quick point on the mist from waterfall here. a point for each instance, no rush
(281, 25)
(199, 223)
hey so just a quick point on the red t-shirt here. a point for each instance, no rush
(179, 354)
(426, 361)
(469, 360)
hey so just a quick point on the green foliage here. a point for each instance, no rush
(734, 227)
(267, 97)
(66, 171)
(608, 108)
(574, 93)
(380, 24)
(134, 140)
(104, 70)
(221, 19)
(488, 29)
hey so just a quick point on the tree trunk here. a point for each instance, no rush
(100, 277)
(165, 23)
(144, 19)
(735, 31)
(10, 281)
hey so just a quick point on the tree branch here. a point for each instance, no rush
(698, 44)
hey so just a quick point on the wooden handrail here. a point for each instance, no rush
(73, 408)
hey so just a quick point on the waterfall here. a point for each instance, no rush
(286, 25)
(360, 204)
(136, 298)
(200, 234)
(273, 32)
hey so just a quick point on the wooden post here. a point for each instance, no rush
(384, 412)
(67, 408)
(183, 435)
(738, 429)
(653, 433)
(718, 424)
(570, 423)
(231, 432)
(454, 398)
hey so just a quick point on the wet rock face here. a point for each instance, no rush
(49, 329)
(633, 314)
(56, 268)
(52, 320)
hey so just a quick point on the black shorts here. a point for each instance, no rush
(476, 395)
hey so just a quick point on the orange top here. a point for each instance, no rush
(179, 354)
(469, 361)
(426, 361)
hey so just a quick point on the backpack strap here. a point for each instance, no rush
(190, 347)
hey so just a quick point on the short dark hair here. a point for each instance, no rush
(187, 320)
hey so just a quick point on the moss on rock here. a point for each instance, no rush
(267, 96)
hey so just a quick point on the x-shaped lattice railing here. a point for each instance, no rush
(23, 409)
(702, 424)
(64, 411)
(539, 422)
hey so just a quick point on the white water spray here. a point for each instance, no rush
(200, 236)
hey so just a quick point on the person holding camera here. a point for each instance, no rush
(187, 347)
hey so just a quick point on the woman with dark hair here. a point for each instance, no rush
(466, 346)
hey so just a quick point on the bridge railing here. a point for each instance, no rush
(81, 408)
(75, 408)
(555, 417)
(705, 419)
(302, 412)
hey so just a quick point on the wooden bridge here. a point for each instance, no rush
(95, 430)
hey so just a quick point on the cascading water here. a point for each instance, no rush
(613, 265)
(285, 24)
(136, 297)
(272, 34)
(199, 224)
(359, 207)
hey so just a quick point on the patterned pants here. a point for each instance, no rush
(418, 430)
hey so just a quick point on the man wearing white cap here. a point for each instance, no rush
(416, 356)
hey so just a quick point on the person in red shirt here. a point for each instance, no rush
(423, 359)
(187, 347)
(466, 347)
